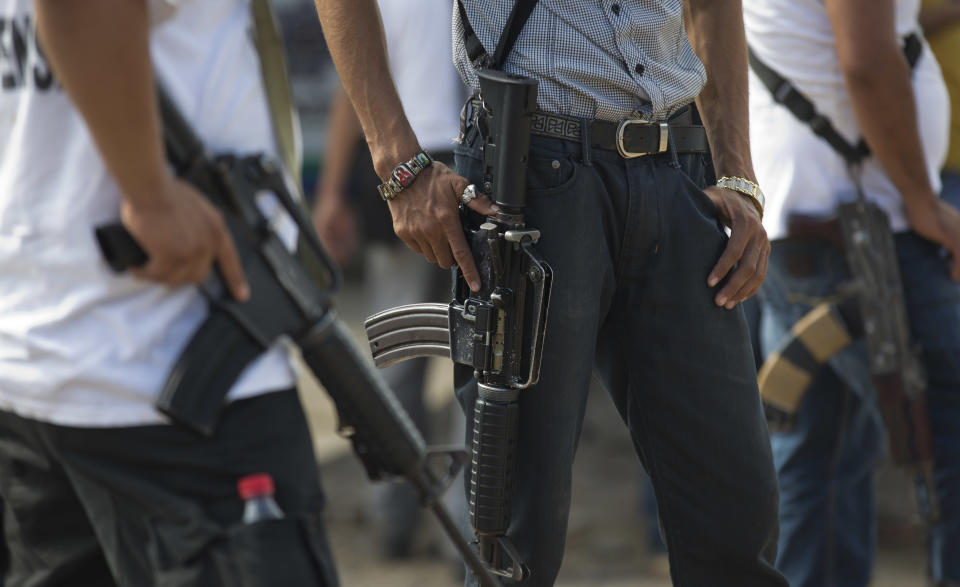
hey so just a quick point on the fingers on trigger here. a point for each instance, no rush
(483, 205)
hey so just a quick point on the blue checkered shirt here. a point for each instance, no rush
(606, 59)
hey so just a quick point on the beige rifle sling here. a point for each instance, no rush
(815, 338)
(276, 82)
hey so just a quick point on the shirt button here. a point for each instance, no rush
(615, 8)
(639, 69)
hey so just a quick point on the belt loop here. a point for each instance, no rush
(586, 141)
(672, 145)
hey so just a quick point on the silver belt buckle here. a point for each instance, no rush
(664, 136)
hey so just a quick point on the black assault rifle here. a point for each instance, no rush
(290, 296)
(498, 331)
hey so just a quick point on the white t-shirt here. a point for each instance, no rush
(79, 345)
(799, 171)
(420, 47)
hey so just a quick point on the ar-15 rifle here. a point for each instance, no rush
(499, 331)
(290, 296)
(870, 305)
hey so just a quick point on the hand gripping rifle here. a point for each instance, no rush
(290, 296)
(871, 305)
(499, 331)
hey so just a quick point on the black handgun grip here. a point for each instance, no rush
(495, 427)
(119, 248)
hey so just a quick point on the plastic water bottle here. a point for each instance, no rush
(257, 491)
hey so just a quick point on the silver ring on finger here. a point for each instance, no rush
(469, 194)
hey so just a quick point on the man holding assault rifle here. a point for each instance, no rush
(602, 196)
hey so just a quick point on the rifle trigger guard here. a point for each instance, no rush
(540, 276)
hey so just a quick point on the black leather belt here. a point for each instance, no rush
(630, 138)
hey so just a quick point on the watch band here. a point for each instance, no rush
(747, 188)
(404, 175)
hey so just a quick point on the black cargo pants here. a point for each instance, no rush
(158, 505)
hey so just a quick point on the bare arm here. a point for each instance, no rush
(425, 214)
(354, 35)
(117, 101)
(939, 18)
(878, 80)
(715, 28)
(332, 214)
(344, 131)
(100, 52)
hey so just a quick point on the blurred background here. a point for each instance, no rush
(612, 539)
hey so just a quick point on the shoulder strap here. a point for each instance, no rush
(276, 82)
(785, 93)
(518, 18)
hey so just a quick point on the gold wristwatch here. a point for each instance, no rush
(745, 187)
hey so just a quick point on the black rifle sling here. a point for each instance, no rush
(785, 93)
(511, 30)
(472, 43)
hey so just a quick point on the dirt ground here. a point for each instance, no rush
(605, 539)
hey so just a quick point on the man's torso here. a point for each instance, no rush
(946, 46)
(78, 345)
(799, 171)
(604, 59)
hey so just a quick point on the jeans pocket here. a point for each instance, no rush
(549, 173)
(702, 201)
(702, 204)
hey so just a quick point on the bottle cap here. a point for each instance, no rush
(255, 485)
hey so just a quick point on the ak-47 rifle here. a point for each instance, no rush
(870, 305)
(290, 296)
(499, 330)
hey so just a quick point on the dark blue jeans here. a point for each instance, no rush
(826, 463)
(631, 243)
